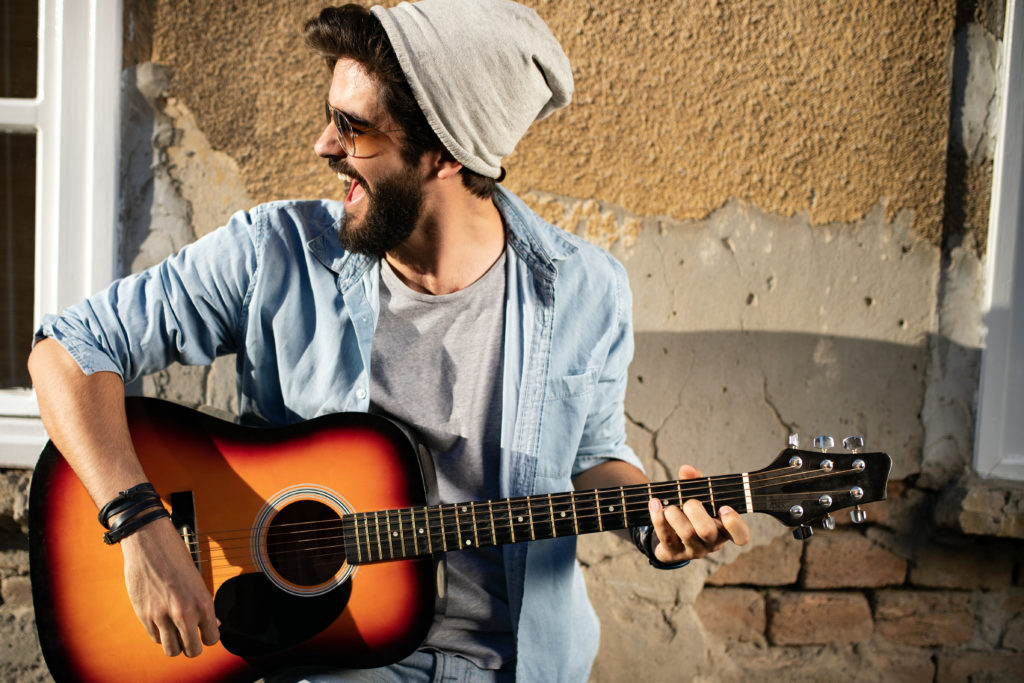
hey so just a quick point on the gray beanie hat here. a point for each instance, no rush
(482, 71)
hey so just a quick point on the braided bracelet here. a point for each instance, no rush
(128, 506)
(643, 539)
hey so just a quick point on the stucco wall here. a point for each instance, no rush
(798, 192)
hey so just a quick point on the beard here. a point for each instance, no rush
(392, 212)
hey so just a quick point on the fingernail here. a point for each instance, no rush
(724, 509)
(654, 505)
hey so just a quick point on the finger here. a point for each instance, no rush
(689, 472)
(681, 540)
(168, 638)
(188, 633)
(209, 628)
(734, 525)
(704, 526)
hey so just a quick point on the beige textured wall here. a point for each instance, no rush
(827, 109)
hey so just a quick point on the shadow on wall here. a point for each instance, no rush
(727, 401)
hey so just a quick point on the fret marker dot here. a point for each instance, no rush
(611, 508)
(421, 531)
(519, 519)
(561, 514)
(464, 508)
(469, 542)
(394, 533)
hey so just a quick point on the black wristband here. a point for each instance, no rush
(643, 539)
(128, 524)
(124, 500)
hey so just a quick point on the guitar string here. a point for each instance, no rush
(435, 531)
(524, 505)
(334, 557)
(670, 487)
(434, 524)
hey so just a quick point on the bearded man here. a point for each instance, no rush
(429, 294)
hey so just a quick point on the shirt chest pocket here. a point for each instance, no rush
(572, 385)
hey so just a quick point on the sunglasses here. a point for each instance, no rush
(368, 141)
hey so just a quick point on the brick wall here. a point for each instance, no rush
(898, 599)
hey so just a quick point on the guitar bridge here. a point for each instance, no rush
(183, 516)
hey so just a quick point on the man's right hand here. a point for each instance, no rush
(167, 592)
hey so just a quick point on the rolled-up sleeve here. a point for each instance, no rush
(604, 434)
(189, 308)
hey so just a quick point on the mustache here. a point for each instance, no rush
(342, 166)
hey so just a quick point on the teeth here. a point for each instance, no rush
(344, 178)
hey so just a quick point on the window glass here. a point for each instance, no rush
(19, 50)
(17, 255)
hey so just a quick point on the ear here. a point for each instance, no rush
(442, 164)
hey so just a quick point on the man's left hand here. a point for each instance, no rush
(689, 532)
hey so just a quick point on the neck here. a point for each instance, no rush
(458, 239)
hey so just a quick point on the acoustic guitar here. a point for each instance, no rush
(323, 542)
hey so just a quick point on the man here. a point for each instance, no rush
(429, 294)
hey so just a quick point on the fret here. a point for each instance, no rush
(711, 493)
(359, 547)
(622, 496)
(444, 538)
(679, 492)
(540, 517)
(551, 511)
(425, 529)
(575, 519)
(597, 510)
(458, 528)
(529, 511)
(366, 531)
(387, 526)
(472, 515)
(511, 525)
(520, 517)
(401, 535)
(412, 526)
(490, 512)
(376, 528)
(611, 509)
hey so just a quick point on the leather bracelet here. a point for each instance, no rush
(128, 524)
(124, 500)
(643, 539)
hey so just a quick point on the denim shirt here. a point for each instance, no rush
(275, 287)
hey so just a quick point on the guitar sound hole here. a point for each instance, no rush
(305, 544)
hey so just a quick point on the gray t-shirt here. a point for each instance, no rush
(436, 366)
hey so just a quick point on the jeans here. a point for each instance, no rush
(419, 667)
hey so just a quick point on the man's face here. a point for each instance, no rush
(384, 192)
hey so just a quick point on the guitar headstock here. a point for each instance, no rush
(800, 487)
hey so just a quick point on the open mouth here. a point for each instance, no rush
(356, 192)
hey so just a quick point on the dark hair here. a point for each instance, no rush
(352, 32)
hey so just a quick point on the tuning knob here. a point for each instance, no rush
(824, 442)
(853, 443)
(802, 533)
(793, 441)
(858, 515)
(828, 523)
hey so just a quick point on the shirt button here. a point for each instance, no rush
(361, 393)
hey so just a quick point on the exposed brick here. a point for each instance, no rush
(990, 667)
(732, 614)
(849, 560)
(16, 592)
(924, 618)
(774, 564)
(969, 566)
(819, 618)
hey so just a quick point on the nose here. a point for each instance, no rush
(327, 145)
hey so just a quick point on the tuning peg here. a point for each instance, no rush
(828, 523)
(858, 515)
(824, 442)
(793, 441)
(802, 532)
(853, 443)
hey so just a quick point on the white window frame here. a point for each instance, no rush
(75, 117)
(999, 436)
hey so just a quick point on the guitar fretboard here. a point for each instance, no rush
(385, 535)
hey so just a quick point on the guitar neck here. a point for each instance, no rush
(385, 535)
